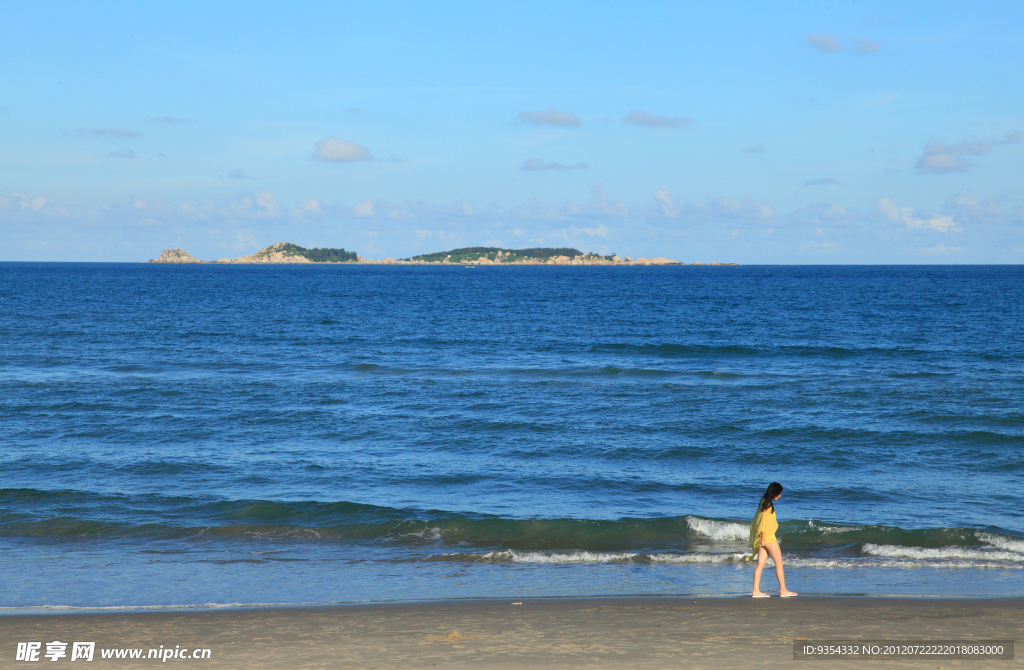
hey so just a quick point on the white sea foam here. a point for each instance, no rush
(514, 556)
(1015, 545)
(696, 558)
(718, 530)
(941, 553)
(878, 556)
(894, 562)
(427, 534)
(829, 530)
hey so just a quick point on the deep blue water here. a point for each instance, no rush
(180, 434)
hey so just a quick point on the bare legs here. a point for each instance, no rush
(762, 557)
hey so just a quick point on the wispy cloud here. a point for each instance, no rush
(239, 173)
(822, 215)
(716, 209)
(638, 117)
(597, 231)
(666, 204)
(538, 165)
(462, 209)
(340, 151)
(824, 181)
(828, 43)
(890, 211)
(128, 153)
(109, 132)
(21, 200)
(171, 119)
(965, 207)
(354, 110)
(822, 41)
(939, 157)
(599, 207)
(755, 149)
(940, 250)
(863, 46)
(552, 117)
(731, 209)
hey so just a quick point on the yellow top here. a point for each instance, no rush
(763, 521)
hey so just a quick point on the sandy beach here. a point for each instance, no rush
(557, 633)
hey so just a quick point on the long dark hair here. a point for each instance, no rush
(774, 489)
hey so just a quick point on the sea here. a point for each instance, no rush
(219, 435)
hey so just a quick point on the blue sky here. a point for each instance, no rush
(855, 132)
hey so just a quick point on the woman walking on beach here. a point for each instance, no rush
(762, 537)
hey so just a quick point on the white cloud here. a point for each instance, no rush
(109, 132)
(538, 165)
(459, 210)
(340, 151)
(940, 250)
(261, 204)
(822, 41)
(364, 208)
(599, 231)
(267, 201)
(171, 119)
(829, 43)
(730, 209)
(20, 200)
(890, 211)
(938, 163)
(965, 207)
(665, 203)
(714, 210)
(939, 157)
(638, 117)
(599, 207)
(552, 117)
(822, 216)
(863, 46)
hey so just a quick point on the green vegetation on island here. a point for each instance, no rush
(316, 255)
(474, 254)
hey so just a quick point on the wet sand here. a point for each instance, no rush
(558, 633)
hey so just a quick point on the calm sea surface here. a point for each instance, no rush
(189, 435)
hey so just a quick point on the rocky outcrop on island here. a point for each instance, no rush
(286, 252)
(275, 253)
(175, 256)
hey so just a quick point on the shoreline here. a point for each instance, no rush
(648, 631)
(623, 264)
(74, 610)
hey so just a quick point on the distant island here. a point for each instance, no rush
(286, 252)
(282, 252)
